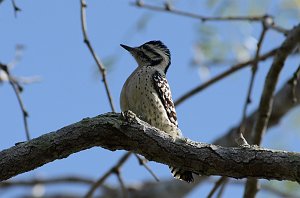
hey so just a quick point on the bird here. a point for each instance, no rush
(147, 93)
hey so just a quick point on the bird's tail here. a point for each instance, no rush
(182, 174)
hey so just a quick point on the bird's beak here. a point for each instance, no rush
(129, 49)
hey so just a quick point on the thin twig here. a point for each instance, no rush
(233, 69)
(278, 28)
(142, 162)
(168, 8)
(240, 138)
(16, 8)
(222, 189)
(294, 82)
(96, 58)
(17, 89)
(100, 181)
(253, 71)
(267, 97)
(48, 181)
(122, 185)
(218, 183)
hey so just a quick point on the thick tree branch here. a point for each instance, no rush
(112, 132)
(173, 188)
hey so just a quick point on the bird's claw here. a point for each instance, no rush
(128, 116)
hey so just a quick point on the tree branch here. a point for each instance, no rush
(174, 188)
(168, 8)
(113, 169)
(92, 51)
(266, 101)
(17, 89)
(112, 132)
(220, 76)
(54, 181)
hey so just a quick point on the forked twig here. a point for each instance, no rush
(17, 89)
(168, 8)
(122, 185)
(218, 183)
(143, 163)
(100, 181)
(15, 7)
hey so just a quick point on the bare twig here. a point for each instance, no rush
(48, 181)
(240, 138)
(16, 8)
(100, 181)
(168, 8)
(266, 102)
(86, 40)
(122, 185)
(278, 28)
(233, 69)
(254, 70)
(142, 162)
(294, 82)
(222, 189)
(17, 89)
(218, 183)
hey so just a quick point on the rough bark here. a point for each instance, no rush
(113, 132)
(283, 103)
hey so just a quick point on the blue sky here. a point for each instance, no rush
(70, 88)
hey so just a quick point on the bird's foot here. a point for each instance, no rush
(129, 116)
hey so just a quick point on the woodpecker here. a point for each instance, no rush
(147, 93)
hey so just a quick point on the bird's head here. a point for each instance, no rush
(152, 53)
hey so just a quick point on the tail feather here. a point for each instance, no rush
(182, 174)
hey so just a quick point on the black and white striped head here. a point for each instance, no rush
(152, 53)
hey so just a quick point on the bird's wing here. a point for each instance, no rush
(163, 90)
